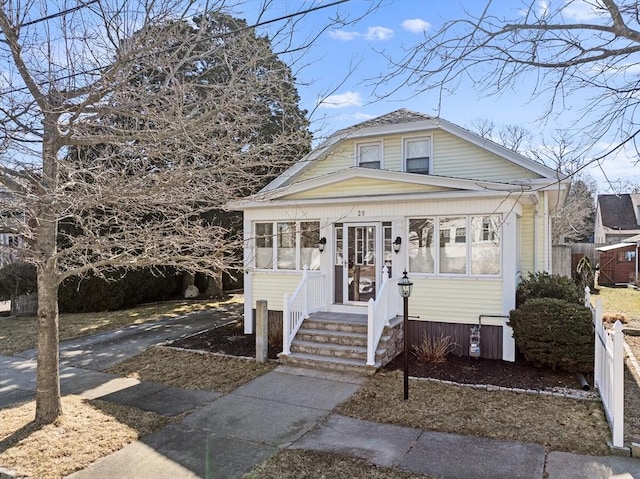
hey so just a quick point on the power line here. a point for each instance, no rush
(219, 35)
(59, 14)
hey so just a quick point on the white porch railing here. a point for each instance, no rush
(609, 369)
(306, 299)
(379, 312)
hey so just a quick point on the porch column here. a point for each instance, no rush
(248, 254)
(509, 271)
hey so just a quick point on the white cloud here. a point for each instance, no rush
(543, 8)
(580, 10)
(342, 100)
(378, 33)
(342, 35)
(416, 25)
(373, 33)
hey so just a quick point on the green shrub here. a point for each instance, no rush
(91, 293)
(545, 285)
(17, 279)
(555, 333)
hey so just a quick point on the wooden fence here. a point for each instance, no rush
(24, 305)
(609, 369)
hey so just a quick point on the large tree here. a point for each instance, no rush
(566, 49)
(132, 123)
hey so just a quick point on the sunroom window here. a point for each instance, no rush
(287, 245)
(369, 155)
(467, 245)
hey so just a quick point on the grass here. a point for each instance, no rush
(620, 300)
(559, 424)
(19, 334)
(294, 464)
(88, 431)
(191, 370)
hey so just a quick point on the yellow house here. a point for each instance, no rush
(327, 241)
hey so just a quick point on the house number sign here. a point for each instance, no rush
(360, 212)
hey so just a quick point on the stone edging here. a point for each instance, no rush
(209, 353)
(557, 392)
(631, 358)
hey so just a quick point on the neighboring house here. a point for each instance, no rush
(8, 248)
(617, 218)
(464, 216)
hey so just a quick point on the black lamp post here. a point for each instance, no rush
(405, 286)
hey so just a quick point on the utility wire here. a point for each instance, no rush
(218, 35)
(59, 14)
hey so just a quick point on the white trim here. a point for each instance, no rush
(249, 256)
(403, 151)
(509, 271)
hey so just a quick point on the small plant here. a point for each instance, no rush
(545, 285)
(611, 318)
(433, 349)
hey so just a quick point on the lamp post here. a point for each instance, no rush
(404, 287)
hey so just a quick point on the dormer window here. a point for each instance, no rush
(417, 155)
(369, 155)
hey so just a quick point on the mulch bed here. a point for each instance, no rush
(230, 339)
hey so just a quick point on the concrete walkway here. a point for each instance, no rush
(226, 436)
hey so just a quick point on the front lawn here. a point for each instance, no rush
(620, 300)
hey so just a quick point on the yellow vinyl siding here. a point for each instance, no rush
(452, 157)
(340, 158)
(272, 286)
(456, 300)
(363, 187)
(526, 240)
(457, 158)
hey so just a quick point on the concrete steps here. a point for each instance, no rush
(338, 342)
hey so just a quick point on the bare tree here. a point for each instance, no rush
(127, 125)
(574, 47)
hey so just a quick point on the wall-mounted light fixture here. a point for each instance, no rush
(396, 244)
(322, 243)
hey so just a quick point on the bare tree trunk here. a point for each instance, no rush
(48, 405)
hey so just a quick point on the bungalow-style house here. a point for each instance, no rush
(327, 241)
(617, 218)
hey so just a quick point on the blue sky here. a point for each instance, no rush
(336, 76)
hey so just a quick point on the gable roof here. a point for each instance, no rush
(405, 121)
(616, 211)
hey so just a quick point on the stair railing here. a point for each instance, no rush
(379, 312)
(306, 299)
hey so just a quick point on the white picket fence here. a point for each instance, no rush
(609, 369)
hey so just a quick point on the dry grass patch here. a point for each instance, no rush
(191, 370)
(558, 423)
(88, 431)
(625, 301)
(18, 334)
(297, 463)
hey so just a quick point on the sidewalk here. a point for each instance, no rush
(226, 436)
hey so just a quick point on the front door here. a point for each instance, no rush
(360, 269)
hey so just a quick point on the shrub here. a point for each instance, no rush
(545, 285)
(433, 349)
(555, 333)
(91, 293)
(17, 279)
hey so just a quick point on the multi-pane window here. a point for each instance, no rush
(466, 245)
(417, 154)
(287, 245)
(369, 155)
